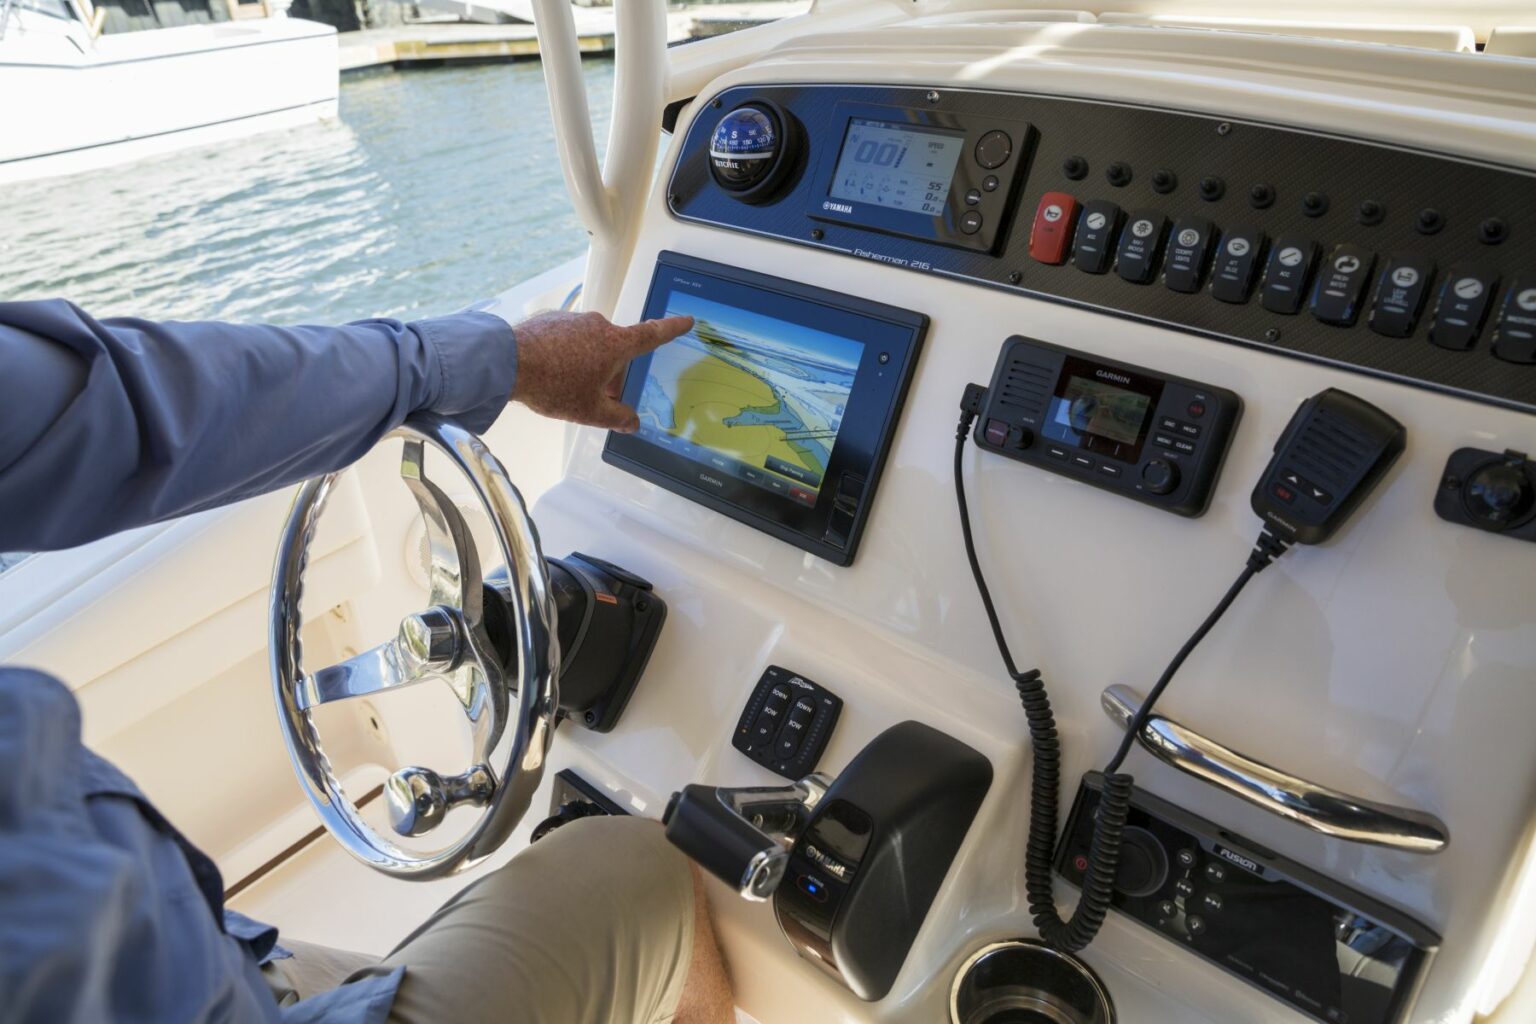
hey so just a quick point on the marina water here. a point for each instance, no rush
(434, 189)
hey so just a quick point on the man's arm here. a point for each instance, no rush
(110, 424)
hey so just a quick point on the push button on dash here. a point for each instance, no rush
(1052, 230)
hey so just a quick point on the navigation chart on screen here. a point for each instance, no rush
(758, 398)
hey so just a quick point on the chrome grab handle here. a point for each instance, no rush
(1317, 807)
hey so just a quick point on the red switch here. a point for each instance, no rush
(1052, 233)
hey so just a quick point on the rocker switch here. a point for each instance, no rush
(1052, 231)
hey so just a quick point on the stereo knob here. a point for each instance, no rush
(1143, 863)
(1160, 476)
(1499, 495)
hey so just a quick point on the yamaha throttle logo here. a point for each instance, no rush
(836, 207)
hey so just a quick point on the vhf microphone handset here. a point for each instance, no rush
(1332, 454)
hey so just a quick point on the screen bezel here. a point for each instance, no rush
(868, 424)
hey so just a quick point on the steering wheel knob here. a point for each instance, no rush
(430, 640)
(419, 798)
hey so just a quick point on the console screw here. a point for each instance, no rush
(716, 104)
(642, 605)
(1273, 334)
(1014, 277)
(1224, 129)
(672, 198)
(590, 717)
(817, 234)
(933, 96)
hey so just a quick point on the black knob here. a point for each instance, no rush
(1370, 212)
(1075, 167)
(1314, 204)
(1160, 476)
(1492, 231)
(1500, 494)
(1429, 221)
(1212, 188)
(1164, 180)
(1118, 174)
(1143, 863)
(1261, 196)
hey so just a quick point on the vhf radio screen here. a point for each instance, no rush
(1100, 410)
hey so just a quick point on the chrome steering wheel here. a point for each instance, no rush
(447, 642)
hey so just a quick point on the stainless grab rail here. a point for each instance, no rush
(1317, 807)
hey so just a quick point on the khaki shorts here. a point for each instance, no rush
(593, 924)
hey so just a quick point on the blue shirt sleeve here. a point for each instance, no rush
(111, 424)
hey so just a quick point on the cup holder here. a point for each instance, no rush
(1023, 981)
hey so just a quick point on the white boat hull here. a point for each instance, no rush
(146, 93)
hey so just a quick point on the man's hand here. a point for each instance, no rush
(571, 365)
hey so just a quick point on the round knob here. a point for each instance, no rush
(419, 799)
(1143, 863)
(1499, 494)
(1160, 476)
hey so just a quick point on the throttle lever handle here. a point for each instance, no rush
(742, 835)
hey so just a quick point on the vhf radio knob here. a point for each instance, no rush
(1160, 476)
(1143, 863)
(1499, 494)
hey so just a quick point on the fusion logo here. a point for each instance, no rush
(706, 478)
(1118, 378)
(836, 207)
(1239, 860)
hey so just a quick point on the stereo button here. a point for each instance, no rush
(1055, 451)
(1097, 227)
(1462, 307)
(1140, 245)
(1400, 294)
(1188, 248)
(1084, 461)
(997, 433)
(1052, 230)
(1286, 274)
(1109, 470)
(1514, 335)
(1341, 283)
(970, 222)
(1160, 476)
(1236, 260)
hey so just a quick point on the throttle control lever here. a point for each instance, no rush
(742, 836)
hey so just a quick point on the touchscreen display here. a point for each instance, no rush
(1094, 412)
(752, 396)
(897, 165)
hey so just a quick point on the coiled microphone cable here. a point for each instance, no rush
(1077, 932)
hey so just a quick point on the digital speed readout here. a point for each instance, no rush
(897, 166)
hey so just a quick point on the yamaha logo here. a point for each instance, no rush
(1240, 861)
(1118, 378)
(836, 207)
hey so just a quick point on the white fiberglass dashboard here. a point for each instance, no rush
(1395, 662)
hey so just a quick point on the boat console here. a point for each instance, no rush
(1306, 331)
(1092, 520)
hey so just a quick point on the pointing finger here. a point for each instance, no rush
(616, 416)
(652, 334)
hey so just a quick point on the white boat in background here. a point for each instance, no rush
(77, 99)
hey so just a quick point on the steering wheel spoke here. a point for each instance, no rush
(429, 645)
(454, 572)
